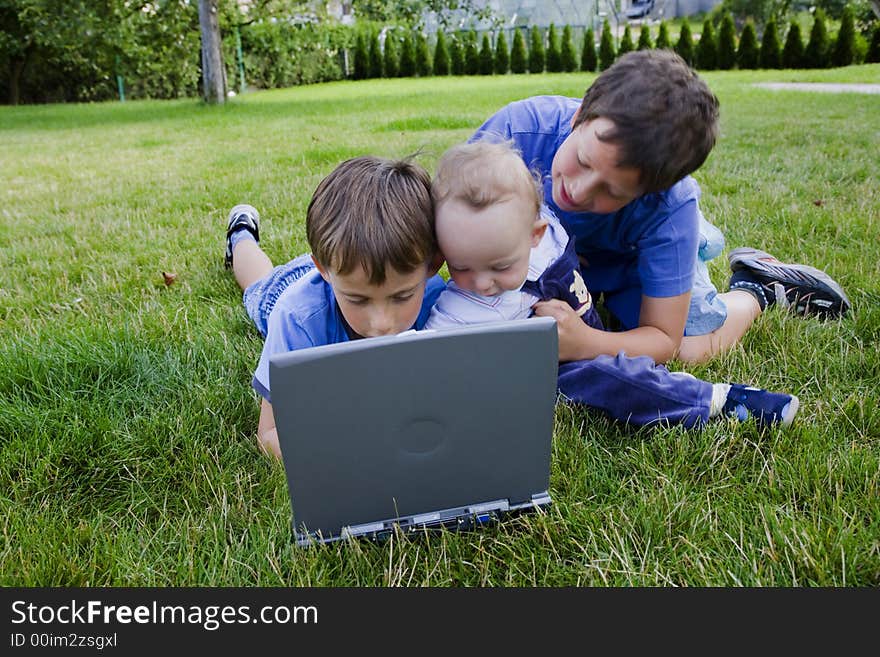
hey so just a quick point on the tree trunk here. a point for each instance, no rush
(16, 66)
(213, 72)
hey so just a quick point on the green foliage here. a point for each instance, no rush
(816, 52)
(747, 54)
(537, 56)
(502, 54)
(424, 67)
(844, 46)
(793, 50)
(685, 45)
(567, 53)
(770, 55)
(518, 57)
(487, 60)
(707, 48)
(361, 58)
(645, 42)
(873, 54)
(589, 58)
(727, 43)
(390, 59)
(554, 51)
(456, 55)
(375, 56)
(406, 67)
(441, 55)
(606, 47)
(626, 42)
(471, 54)
(663, 41)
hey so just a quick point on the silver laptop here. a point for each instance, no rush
(421, 430)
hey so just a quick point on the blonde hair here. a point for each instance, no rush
(482, 173)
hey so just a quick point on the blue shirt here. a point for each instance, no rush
(651, 242)
(306, 315)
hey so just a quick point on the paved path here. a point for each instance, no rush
(822, 86)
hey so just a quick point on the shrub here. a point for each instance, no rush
(747, 54)
(685, 45)
(502, 55)
(771, 54)
(873, 54)
(663, 41)
(456, 55)
(707, 50)
(727, 43)
(423, 56)
(471, 54)
(441, 55)
(844, 45)
(815, 54)
(626, 42)
(361, 58)
(589, 58)
(537, 57)
(406, 67)
(518, 57)
(567, 53)
(554, 52)
(793, 50)
(390, 61)
(487, 61)
(606, 47)
(645, 42)
(375, 57)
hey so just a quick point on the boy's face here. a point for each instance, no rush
(487, 250)
(585, 174)
(374, 310)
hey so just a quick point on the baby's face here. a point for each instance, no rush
(487, 250)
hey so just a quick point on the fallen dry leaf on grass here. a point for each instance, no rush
(818, 202)
(169, 277)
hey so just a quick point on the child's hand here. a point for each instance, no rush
(573, 333)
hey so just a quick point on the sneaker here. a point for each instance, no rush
(768, 408)
(241, 217)
(805, 289)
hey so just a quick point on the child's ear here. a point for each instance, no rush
(321, 269)
(435, 263)
(538, 230)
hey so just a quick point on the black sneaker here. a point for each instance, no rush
(241, 217)
(804, 289)
(768, 408)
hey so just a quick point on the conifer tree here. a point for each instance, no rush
(375, 57)
(815, 54)
(793, 50)
(685, 45)
(554, 52)
(663, 41)
(771, 53)
(747, 54)
(844, 52)
(390, 62)
(626, 42)
(406, 66)
(518, 57)
(456, 55)
(441, 55)
(502, 55)
(537, 56)
(606, 47)
(645, 42)
(567, 54)
(471, 54)
(361, 58)
(727, 43)
(707, 48)
(487, 61)
(873, 54)
(589, 58)
(423, 56)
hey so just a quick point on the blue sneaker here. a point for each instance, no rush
(241, 217)
(768, 408)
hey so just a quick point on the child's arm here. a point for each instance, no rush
(267, 434)
(659, 335)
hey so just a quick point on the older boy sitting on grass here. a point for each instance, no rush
(370, 225)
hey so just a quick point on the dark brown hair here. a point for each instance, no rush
(665, 117)
(373, 212)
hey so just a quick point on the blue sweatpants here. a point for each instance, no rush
(636, 391)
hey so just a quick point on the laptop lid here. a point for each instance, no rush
(395, 428)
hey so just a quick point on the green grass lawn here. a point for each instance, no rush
(127, 422)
